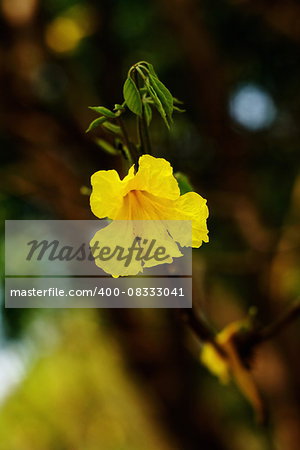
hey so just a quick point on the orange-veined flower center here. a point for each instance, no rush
(141, 205)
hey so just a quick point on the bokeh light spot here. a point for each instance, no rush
(252, 107)
(18, 12)
(63, 34)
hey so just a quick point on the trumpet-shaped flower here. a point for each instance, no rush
(152, 193)
(145, 206)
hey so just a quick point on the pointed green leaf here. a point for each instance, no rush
(157, 103)
(112, 127)
(104, 111)
(119, 107)
(179, 109)
(176, 101)
(163, 94)
(148, 113)
(96, 123)
(183, 183)
(107, 147)
(151, 69)
(132, 97)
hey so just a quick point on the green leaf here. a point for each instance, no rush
(143, 90)
(176, 101)
(96, 123)
(104, 111)
(150, 68)
(132, 97)
(107, 147)
(157, 103)
(163, 94)
(111, 127)
(119, 107)
(179, 109)
(183, 183)
(148, 113)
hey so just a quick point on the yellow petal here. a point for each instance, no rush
(118, 234)
(155, 175)
(191, 206)
(215, 362)
(129, 177)
(158, 232)
(119, 237)
(107, 195)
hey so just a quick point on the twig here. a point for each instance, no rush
(277, 326)
(201, 329)
(133, 158)
(246, 341)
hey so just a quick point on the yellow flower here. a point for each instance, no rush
(152, 193)
(215, 362)
(227, 363)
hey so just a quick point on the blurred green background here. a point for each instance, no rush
(131, 380)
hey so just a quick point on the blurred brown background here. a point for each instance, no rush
(120, 380)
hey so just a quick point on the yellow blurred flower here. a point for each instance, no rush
(66, 31)
(151, 193)
(226, 364)
(215, 362)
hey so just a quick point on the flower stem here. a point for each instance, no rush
(142, 127)
(129, 149)
(145, 130)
